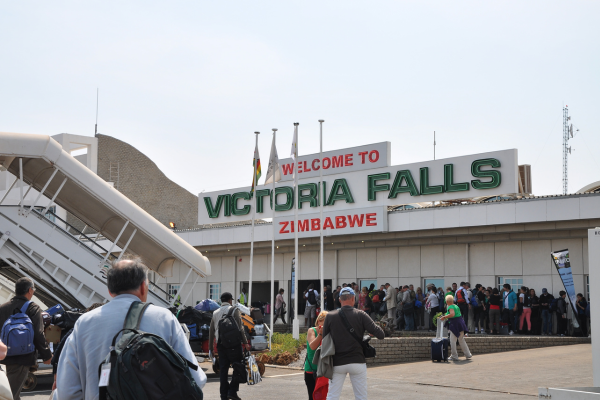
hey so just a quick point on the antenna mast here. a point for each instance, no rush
(96, 126)
(567, 133)
(434, 145)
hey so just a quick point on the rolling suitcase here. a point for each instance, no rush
(439, 345)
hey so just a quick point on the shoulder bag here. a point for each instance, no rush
(368, 350)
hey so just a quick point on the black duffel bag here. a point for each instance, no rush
(66, 320)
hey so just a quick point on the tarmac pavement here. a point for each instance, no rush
(508, 375)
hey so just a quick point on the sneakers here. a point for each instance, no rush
(511, 333)
(471, 356)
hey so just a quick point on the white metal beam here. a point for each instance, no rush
(40, 194)
(181, 287)
(9, 189)
(127, 244)
(54, 197)
(112, 246)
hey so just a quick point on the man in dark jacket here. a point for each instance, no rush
(349, 358)
(561, 314)
(17, 367)
(328, 296)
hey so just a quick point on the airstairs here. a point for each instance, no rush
(66, 265)
(72, 271)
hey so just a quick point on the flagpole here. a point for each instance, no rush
(273, 310)
(296, 325)
(322, 198)
(253, 202)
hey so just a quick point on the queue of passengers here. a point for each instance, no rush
(485, 310)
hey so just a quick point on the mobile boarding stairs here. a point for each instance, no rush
(66, 265)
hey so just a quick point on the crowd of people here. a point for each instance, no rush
(485, 310)
(337, 319)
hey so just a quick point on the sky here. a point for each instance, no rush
(188, 82)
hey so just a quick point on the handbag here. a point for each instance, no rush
(321, 388)
(252, 370)
(368, 350)
(5, 392)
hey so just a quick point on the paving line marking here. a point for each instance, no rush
(457, 387)
(479, 390)
(277, 376)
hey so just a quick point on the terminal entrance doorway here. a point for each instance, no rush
(302, 286)
(261, 291)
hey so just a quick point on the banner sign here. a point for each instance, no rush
(371, 156)
(563, 266)
(372, 219)
(487, 174)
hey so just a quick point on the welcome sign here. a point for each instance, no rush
(348, 189)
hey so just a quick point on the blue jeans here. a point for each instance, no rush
(546, 321)
(409, 321)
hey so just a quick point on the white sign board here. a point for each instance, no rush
(487, 174)
(371, 156)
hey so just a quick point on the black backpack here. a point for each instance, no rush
(229, 331)
(312, 299)
(144, 366)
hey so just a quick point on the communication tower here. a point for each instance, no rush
(567, 134)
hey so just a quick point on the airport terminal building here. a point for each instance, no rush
(467, 218)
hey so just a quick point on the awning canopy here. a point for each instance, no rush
(96, 203)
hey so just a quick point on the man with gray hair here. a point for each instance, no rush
(86, 348)
(349, 357)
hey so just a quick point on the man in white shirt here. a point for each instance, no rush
(88, 345)
(310, 312)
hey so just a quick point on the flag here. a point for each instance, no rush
(294, 152)
(256, 164)
(273, 171)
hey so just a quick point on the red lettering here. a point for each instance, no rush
(348, 160)
(306, 169)
(373, 156)
(326, 163)
(303, 225)
(371, 219)
(363, 154)
(340, 222)
(338, 161)
(313, 164)
(285, 224)
(292, 226)
(356, 220)
(328, 224)
(288, 169)
(300, 167)
(315, 224)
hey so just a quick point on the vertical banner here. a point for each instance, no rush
(563, 266)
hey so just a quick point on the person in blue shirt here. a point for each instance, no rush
(509, 308)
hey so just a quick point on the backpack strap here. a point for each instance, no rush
(350, 328)
(134, 315)
(25, 306)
